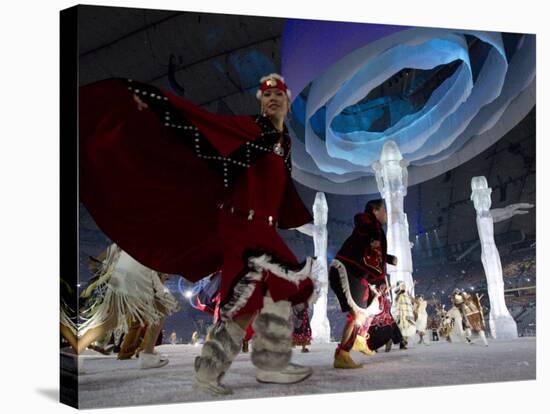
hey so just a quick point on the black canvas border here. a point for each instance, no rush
(68, 236)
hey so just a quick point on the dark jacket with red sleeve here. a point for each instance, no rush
(357, 251)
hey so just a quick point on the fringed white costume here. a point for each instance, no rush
(126, 288)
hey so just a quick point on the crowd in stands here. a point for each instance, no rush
(435, 282)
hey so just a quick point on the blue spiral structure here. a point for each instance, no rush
(442, 95)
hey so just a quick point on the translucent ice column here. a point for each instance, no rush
(320, 326)
(391, 178)
(501, 323)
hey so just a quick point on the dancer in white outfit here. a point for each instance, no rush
(125, 288)
(421, 319)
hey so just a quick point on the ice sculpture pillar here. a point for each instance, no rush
(501, 323)
(391, 178)
(320, 326)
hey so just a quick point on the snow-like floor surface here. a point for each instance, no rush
(107, 382)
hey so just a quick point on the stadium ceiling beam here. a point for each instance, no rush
(130, 34)
(215, 56)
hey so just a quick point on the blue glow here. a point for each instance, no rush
(339, 126)
(362, 116)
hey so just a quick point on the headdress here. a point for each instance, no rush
(273, 80)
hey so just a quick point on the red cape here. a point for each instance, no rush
(146, 188)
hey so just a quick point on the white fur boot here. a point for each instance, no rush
(272, 345)
(221, 347)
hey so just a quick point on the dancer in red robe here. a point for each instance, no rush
(188, 192)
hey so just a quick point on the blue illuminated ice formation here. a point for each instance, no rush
(341, 116)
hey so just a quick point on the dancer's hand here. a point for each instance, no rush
(140, 104)
(307, 229)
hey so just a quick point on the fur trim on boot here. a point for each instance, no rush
(360, 345)
(272, 342)
(343, 360)
(217, 354)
